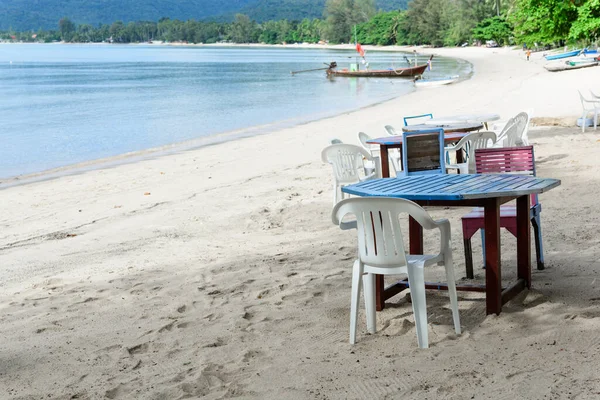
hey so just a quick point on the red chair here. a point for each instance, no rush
(504, 160)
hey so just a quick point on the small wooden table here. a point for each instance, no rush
(473, 190)
(447, 127)
(395, 142)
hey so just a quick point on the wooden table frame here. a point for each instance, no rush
(472, 190)
(496, 296)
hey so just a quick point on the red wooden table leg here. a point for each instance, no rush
(523, 240)
(385, 161)
(493, 276)
(379, 287)
(416, 236)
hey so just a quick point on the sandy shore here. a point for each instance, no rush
(217, 273)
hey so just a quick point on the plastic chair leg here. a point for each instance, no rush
(483, 245)
(539, 246)
(357, 271)
(335, 193)
(468, 257)
(449, 265)
(369, 290)
(416, 281)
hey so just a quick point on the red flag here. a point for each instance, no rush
(360, 50)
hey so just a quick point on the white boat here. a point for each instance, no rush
(436, 81)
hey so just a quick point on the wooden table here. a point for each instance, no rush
(447, 127)
(473, 190)
(395, 142)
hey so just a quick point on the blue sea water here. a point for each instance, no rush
(64, 104)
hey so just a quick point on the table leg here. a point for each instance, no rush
(385, 162)
(416, 236)
(523, 241)
(459, 158)
(493, 276)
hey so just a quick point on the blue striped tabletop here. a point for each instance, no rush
(452, 187)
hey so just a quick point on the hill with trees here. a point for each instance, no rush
(21, 15)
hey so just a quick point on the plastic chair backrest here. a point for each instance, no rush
(507, 160)
(346, 160)
(380, 241)
(423, 152)
(391, 131)
(427, 116)
(517, 134)
(363, 137)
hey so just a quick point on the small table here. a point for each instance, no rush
(395, 142)
(477, 118)
(474, 190)
(447, 127)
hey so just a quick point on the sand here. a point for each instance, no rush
(217, 273)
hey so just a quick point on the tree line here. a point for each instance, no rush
(425, 22)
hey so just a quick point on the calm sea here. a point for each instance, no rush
(65, 104)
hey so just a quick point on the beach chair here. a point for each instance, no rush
(515, 131)
(423, 152)
(394, 154)
(347, 161)
(510, 160)
(468, 144)
(381, 251)
(590, 106)
(420, 118)
(373, 149)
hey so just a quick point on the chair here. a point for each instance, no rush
(422, 116)
(469, 143)
(394, 154)
(391, 131)
(336, 141)
(423, 152)
(511, 160)
(373, 149)
(515, 131)
(347, 160)
(589, 106)
(381, 251)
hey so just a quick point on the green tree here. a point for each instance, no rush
(587, 25)
(542, 21)
(342, 15)
(66, 28)
(495, 28)
(243, 29)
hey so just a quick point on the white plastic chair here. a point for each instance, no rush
(381, 251)
(373, 149)
(515, 131)
(590, 106)
(471, 142)
(347, 161)
(394, 154)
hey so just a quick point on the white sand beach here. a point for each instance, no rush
(217, 273)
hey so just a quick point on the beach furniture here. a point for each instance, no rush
(381, 251)
(511, 160)
(514, 132)
(419, 117)
(392, 143)
(468, 145)
(372, 149)
(483, 118)
(390, 130)
(423, 152)
(448, 127)
(590, 106)
(466, 190)
(347, 161)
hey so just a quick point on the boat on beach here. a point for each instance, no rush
(380, 73)
(567, 54)
(568, 65)
(436, 81)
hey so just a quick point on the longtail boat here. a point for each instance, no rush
(563, 55)
(378, 73)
